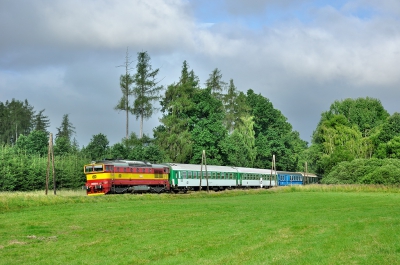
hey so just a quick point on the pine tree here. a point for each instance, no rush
(41, 122)
(146, 89)
(66, 129)
(215, 83)
(174, 136)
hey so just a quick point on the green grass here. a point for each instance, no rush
(292, 225)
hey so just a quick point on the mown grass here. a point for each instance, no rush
(292, 225)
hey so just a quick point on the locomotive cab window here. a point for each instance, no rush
(98, 168)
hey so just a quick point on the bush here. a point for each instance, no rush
(365, 171)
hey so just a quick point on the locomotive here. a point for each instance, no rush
(129, 176)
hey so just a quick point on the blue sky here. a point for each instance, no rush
(270, 13)
(302, 55)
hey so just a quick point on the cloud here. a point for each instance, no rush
(63, 55)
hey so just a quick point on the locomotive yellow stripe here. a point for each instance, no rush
(130, 176)
(96, 194)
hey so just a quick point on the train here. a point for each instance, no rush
(118, 176)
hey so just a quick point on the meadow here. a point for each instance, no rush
(315, 224)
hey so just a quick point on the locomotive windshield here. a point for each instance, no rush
(92, 168)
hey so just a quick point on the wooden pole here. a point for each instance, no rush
(205, 165)
(201, 170)
(306, 173)
(52, 164)
(48, 163)
(50, 156)
(274, 170)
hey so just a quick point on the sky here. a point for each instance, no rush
(64, 56)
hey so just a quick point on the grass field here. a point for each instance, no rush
(306, 225)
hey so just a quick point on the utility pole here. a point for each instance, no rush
(272, 171)
(50, 156)
(305, 174)
(203, 162)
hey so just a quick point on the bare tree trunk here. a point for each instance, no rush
(141, 127)
(127, 124)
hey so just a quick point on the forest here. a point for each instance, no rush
(355, 142)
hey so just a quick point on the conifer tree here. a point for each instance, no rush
(174, 136)
(66, 129)
(215, 83)
(41, 122)
(146, 89)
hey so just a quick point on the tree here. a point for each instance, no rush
(390, 129)
(125, 82)
(66, 129)
(352, 129)
(97, 147)
(215, 83)
(146, 89)
(206, 127)
(62, 146)
(15, 120)
(366, 113)
(274, 135)
(119, 150)
(41, 122)
(236, 108)
(174, 136)
(239, 147)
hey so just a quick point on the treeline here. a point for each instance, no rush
(356, 140)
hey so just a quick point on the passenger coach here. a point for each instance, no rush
(296, 178)
(184, 177)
